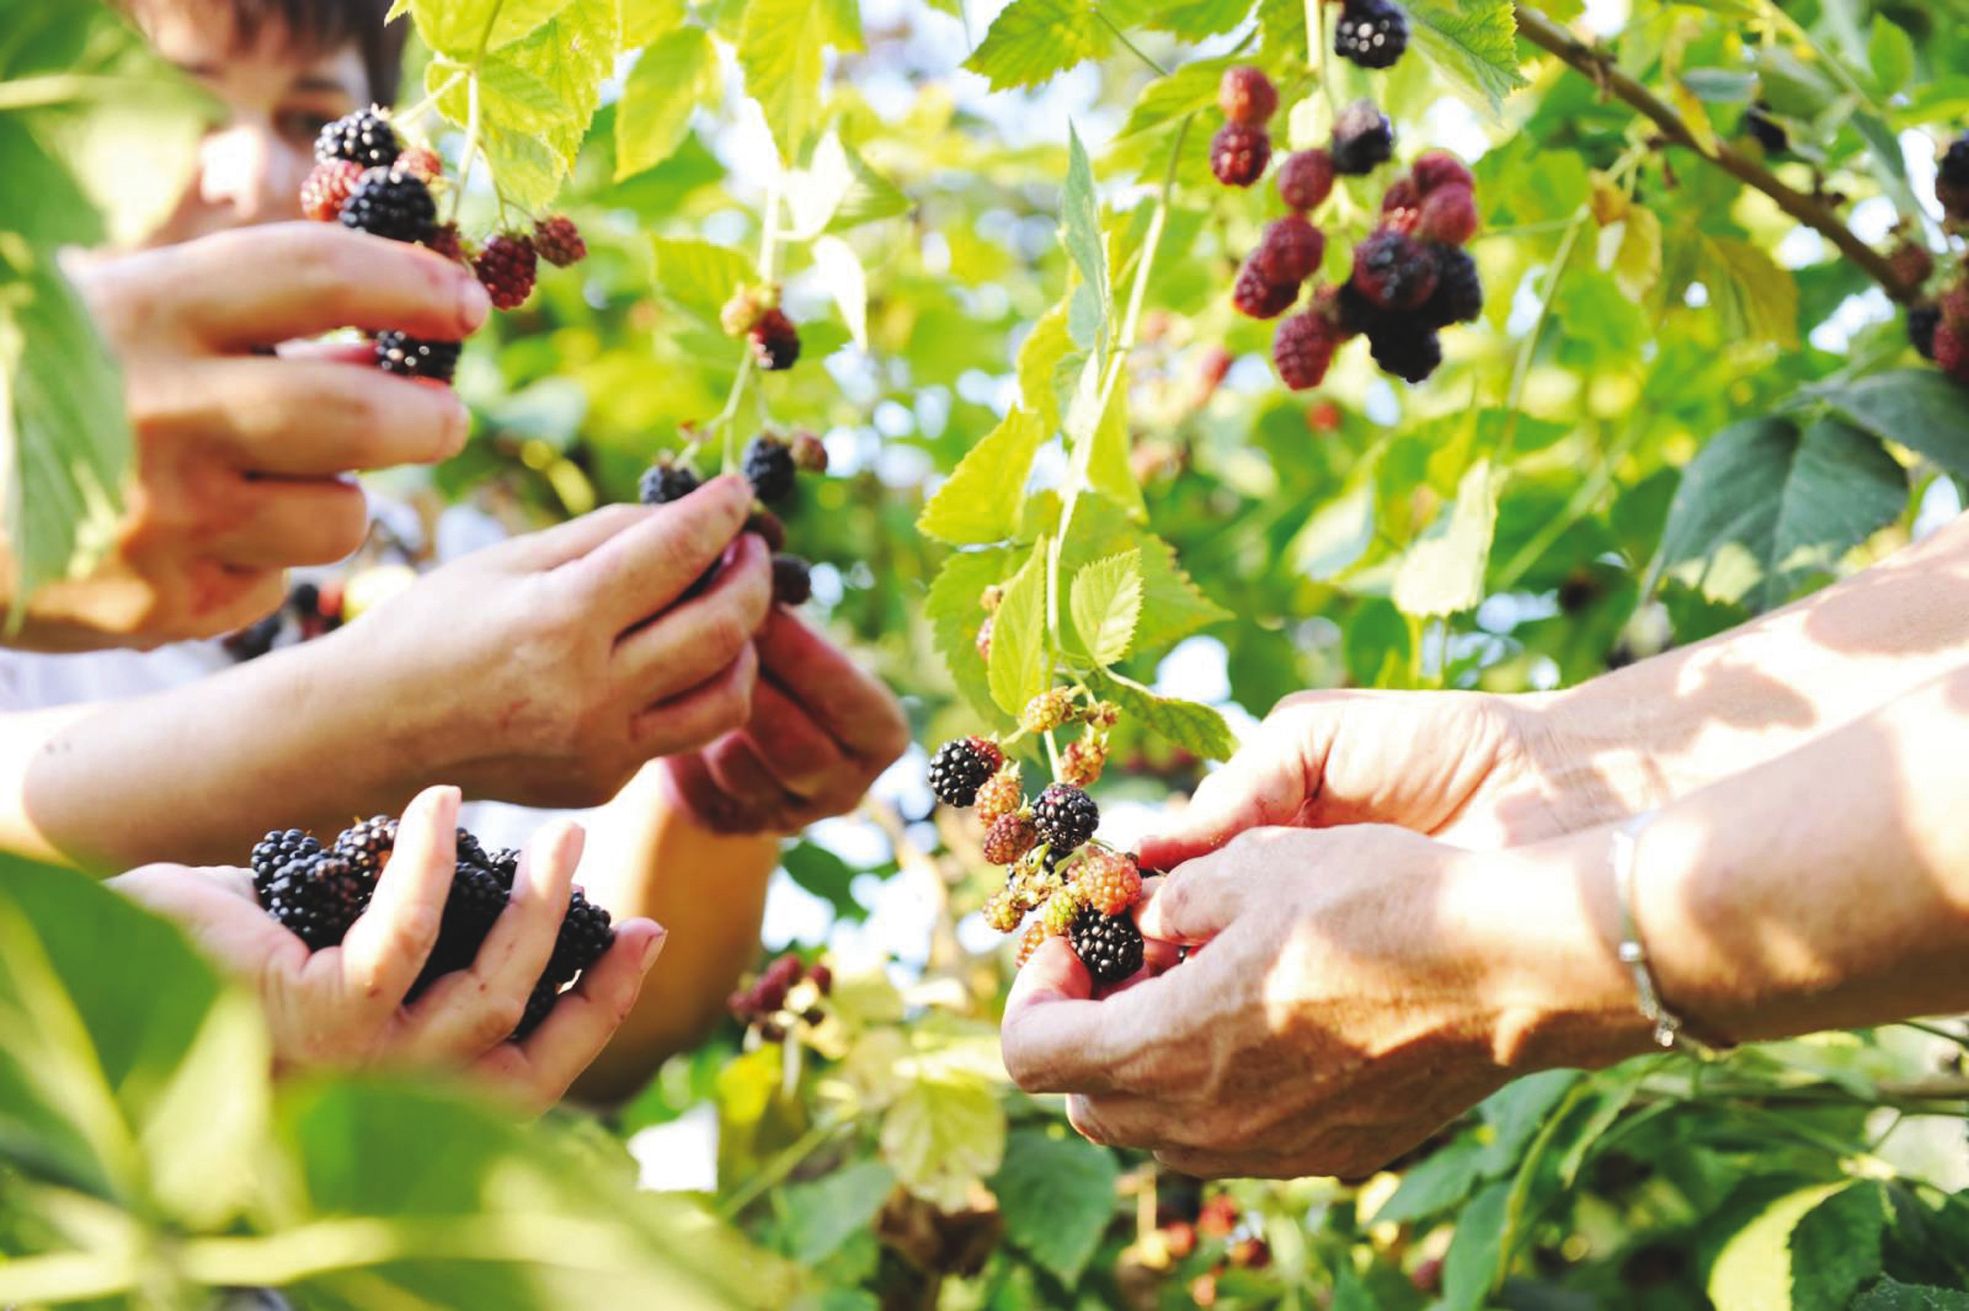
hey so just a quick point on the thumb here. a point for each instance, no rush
(1196, 903)
(1264, 786)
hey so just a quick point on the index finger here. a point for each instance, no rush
(1053, 1036)
(386, 947)
(642, 570)
(274, 283)
(852, 707)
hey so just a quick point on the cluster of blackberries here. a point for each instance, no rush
(1765, 130)
(754, 314)
(1372, 33)
(1940, 330)
(318, 892)
(310, 611)
(772, 465)
(787, 993)
(365, 178)
(1081, 889)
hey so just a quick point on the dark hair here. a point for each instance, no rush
(326, 25)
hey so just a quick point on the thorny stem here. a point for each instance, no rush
(1809, 210)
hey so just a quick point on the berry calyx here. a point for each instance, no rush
(559, 241)
(1009, 838)
(364, 138)
(328, 187)
(1363, 139)
(1305, 179)
(413, 357)
(793, 582)
(666, 481)
(1066, 817)
(1247, 96)
(1110, 946)
(1290, 251)
(392, 203)
(1302, 349)
(507, 267)
(769, 468)
(1393, 271)
(1371, 33)
(1238, 154)
(961, 767)
(1256, 296)
(775, 341)
(1002, 795)
(1109, 881)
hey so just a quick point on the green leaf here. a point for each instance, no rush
(870, 197)
(1195, 728)
(944, 1136)
(1097, 436)
(1349, 1294)
(822, 1215)
(1443, 573)
(1762, 506)
(697, 276)
(1019, 655)
(64, 439)
(980, 501)
(780, 48)
(1892, 1295)
(955, 616)
(1777, 1260)
(1918, 408)
(1756, 298)
(646, 21)
(1107, 603)
(1041, 356)
(1056, 1192)
(1187, 90)
(1472, 1265)
(1516, 1112)
(1436, 1184)
(1193, 20)
(838, 268)
(670, 80)
(1890, 53)
(1473, 44)
(1080, 224)
(460, 28)
(1033, 41)
(1172, 605)
(826, 876)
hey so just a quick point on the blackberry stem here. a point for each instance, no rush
(1130, 46)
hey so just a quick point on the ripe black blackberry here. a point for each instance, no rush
(1922, 321)
(505, 865)
(664, 482)
(364, 137)
(1110, 946)
(1065, 817)
(775, 341)
(1767, 131)
(1372, 33)
(316, 898)
(793, 581)
(1238, 154)
(1459, 294)
(585, 935)
(1407, 349)
(1363, 139)
(368, 845)
(769, 468)
(391, 202)
(1395, 271)
(962, 766)
(1952, 180)
(413, 357)
(539, 1005)
(277, 849)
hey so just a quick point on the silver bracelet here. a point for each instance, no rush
(1670, 1031)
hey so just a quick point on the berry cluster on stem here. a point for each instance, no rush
(772, 465)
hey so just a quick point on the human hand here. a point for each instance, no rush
(239, 460)
(343, 1007)
(546, 670)
(1348, 993)
(821, 730)
(1470, 768)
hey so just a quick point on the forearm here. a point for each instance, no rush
(196, 774)
(647, 856)
(1669, 725)
(1826, 889)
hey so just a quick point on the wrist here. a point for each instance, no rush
(1596, 747)
(384, 749)
(1548, 933)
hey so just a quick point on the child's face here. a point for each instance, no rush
(278, 96)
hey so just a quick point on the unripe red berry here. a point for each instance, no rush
(1008, 838)
(1954, 305)
(1247, 96)
(1448, 215)
(1952, 351)
(809, 452)
(507, 267)
(1305, 179)
(1912, 263)
(1238, 154)
(1290, 251)
(1256, 296)
(1302, 349)
(1439, 168)
(1402, 194)
(446, 242)
(327, 187)
(559, 241)
(421, 162)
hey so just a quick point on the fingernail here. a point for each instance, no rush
(654, 947)
(473, 303)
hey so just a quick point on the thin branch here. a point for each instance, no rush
(1809, 210)
(1131, 47)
